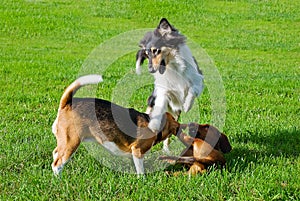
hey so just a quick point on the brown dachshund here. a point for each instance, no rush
(204, 149)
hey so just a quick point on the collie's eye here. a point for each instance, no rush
(155, 51)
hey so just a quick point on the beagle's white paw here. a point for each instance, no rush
(57, 170)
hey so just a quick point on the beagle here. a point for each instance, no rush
(123, 131)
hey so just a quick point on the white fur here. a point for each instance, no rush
(138, 162)
(89, 79)
(138, 66)
(113, 148)
(148, 110)
(139, 165)
(178, 86)
(55, 154)
(166, 146)
(57, 169)
(54, 126)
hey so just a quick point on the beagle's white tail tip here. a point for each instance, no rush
(89, 79)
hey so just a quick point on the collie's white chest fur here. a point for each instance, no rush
(177, 87)
(172, 82)
(180, 78)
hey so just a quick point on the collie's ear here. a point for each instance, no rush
(165, 27)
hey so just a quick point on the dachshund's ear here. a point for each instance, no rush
(224, 144)
(140, 58)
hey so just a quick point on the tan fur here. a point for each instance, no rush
(156, 61)
(164, 54)
(202, 150)
(196, 168)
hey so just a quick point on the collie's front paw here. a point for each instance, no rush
(154, 125)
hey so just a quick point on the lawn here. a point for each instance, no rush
(250, 55)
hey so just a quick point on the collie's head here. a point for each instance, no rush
(159, 47)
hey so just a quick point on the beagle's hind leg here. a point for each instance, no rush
(67, 144)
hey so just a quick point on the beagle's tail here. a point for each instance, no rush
(72, 88)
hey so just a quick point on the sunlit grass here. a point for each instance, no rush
(254, 45)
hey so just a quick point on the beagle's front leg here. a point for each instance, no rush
(138, 161)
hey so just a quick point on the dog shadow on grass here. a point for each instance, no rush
(254, 148)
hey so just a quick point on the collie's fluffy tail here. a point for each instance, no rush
(72, 88)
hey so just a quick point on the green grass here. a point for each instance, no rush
(255, 46)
